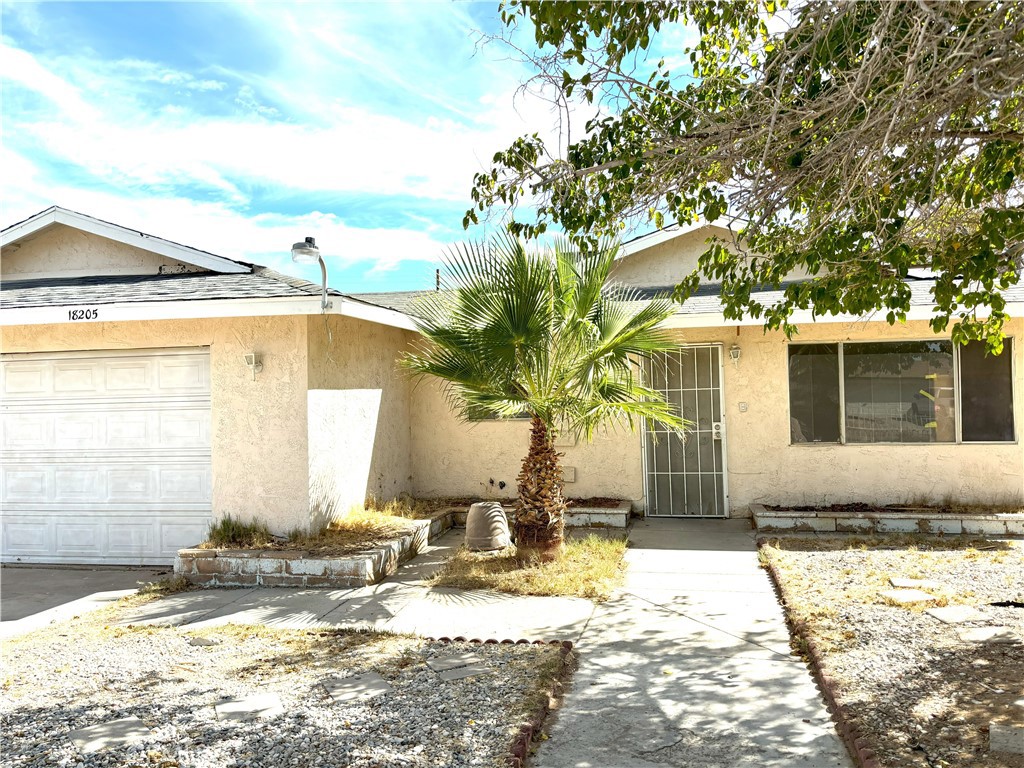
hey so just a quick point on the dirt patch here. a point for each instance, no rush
(598, 502)
(918, 693)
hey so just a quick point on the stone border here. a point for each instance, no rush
(925, 522)
(530, 731)
(575, 517)
(856, 742)
(295, 568)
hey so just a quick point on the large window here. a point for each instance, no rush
(900, 392)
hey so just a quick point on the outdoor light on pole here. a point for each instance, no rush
(306, 252)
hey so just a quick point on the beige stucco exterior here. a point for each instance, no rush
(258, 428)
(65, 251)
(451, 458)
(358, 415)
(330, 420)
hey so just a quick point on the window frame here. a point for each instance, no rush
(1014, 394)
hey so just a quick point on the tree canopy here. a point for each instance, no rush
(858, 142)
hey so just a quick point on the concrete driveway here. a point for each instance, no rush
(28, 590)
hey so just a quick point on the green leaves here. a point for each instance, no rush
(515, 329)
(853, 144)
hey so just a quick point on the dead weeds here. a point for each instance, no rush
(591, 567)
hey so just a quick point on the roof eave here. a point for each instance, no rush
(57, 215)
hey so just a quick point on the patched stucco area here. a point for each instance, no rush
(358, 415)
(453, 458)
(258, 427)
(61, 251)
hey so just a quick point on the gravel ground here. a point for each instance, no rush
(84, 673)
(922, 696)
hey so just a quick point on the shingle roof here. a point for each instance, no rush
(705, 301)
(261, 283)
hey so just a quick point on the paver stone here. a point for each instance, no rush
(460, 672)
(907, 596)
(249, 707)
(350, 689)
(127, 730)
(955, 614)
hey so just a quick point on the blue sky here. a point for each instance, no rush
(240, 128)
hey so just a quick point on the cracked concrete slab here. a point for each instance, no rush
(460, 673)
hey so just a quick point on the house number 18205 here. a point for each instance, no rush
(83, 314)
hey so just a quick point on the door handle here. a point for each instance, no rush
(716, 430)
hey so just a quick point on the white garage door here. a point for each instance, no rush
(105, 456)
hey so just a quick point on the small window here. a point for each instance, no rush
(814, 393)
(986, 393)
(899, 392)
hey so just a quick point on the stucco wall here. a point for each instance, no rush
(359, 425)
(764, 467)
(451, 458)
(258, 428)
(669, 262)
(664, 264)
(62, 250)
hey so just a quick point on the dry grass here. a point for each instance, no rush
(375, 523)
(591, 568)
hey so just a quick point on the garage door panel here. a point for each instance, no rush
(76, 378)
(31, 535)
(106, 458)
(26, 378)
(175, 536)
(24, 484)
(183, 375)
(81, 538)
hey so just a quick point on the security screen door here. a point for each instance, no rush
(686, 473)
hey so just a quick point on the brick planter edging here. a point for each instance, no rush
(530, 730)
(856, 742)
(295, 568)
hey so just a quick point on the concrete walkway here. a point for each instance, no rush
(401, 603)
(689, 664)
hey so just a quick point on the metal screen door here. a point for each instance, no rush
(686, 473)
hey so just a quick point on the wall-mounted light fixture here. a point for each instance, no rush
(306, 252)
(254, 361)
(734, 354)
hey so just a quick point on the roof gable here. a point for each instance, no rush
(95, 247)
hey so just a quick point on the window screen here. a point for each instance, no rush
(899, 392)
(814, 393)
(986, 393)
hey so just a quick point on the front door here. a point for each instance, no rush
(686, 473)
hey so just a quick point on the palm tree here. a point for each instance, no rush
(517, 331)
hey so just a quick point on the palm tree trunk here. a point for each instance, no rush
(540, 510)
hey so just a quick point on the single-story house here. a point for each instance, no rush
(149, 388)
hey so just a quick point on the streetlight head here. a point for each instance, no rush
(306, 252)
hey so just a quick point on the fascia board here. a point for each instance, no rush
(122, 235)
(806, 317)
(181, 310)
